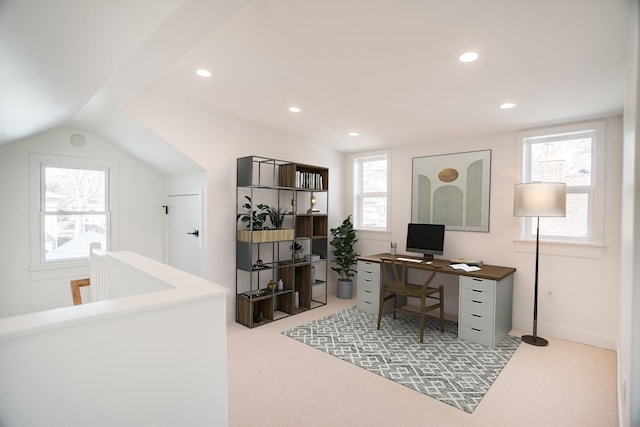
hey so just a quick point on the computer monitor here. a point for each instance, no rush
(427, 239)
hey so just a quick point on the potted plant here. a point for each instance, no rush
(296, 249)
(276, 216)
(256, 220)
(253, 218)
(344, 257)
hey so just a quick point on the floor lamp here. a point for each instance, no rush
(539, 199)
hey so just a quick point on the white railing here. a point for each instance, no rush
(99, 289)
(153, 353)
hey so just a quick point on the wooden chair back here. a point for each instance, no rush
(75, 289)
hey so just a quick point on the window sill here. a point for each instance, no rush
(371, 234)
(570, 249)
(71, 269)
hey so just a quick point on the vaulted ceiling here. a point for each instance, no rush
(388, 70)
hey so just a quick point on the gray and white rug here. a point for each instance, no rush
(454, 371)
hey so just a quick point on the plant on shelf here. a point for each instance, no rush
(254, 218)
(276, 216)
(343, 238)
(296, 249)
(257, 217)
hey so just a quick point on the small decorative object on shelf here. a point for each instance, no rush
(272, 236)
(272, 286)
(313, 208)
(297, 249)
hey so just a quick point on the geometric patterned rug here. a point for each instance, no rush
(454, 371)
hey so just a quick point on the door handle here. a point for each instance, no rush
(195, 233)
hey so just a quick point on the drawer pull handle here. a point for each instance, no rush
(477, 280)
(476, 315)
(366, 290)
(477, 330)
(367, 280)
(477, 302)
(476, 290)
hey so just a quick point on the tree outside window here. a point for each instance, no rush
(74, 212)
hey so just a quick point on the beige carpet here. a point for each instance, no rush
(277, 381)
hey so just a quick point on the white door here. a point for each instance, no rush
(184, 232)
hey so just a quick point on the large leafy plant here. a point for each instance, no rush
(254, 218)
(343, 238)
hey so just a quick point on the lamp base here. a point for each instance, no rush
(535, 340)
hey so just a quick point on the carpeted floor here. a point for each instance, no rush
(453, 371)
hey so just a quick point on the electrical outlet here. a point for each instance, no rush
(549, 295)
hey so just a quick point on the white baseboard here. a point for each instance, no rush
(582, 337)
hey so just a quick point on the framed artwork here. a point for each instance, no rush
(452, 189)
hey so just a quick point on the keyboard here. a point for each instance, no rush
(409, 259)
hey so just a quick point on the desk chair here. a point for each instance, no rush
(75, 289)
(394, 283)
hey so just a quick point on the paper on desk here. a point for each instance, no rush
(464, 267)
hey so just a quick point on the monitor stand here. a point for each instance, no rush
(427, 257)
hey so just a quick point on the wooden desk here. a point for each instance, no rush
(484, 302)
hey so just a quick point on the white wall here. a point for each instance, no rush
(629, 349)
(215, 142)
(586, 289)
(137, 223)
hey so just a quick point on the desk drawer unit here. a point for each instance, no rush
(484, 313)
(368, 286)
(477, 309)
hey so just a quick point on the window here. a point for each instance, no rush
(570, 155)
(72, 208)
(371, 178)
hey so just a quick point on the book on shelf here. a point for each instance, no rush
(309, 180)
(465, 267)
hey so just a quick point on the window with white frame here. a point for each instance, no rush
(569, 154)
(371, 179)
(73, 208)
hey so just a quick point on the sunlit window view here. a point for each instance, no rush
(371, 194)
(564, 158)
(75, 212)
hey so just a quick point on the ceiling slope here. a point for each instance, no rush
(388, 70)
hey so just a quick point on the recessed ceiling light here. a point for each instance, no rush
(507, 105)
(203, 73)
(468, 57)
(295, 109)
(353, 134)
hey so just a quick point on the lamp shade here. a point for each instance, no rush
(540, 199)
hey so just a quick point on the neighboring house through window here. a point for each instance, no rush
(371, 201)
(573, 155)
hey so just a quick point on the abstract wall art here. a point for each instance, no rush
(452, 189)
